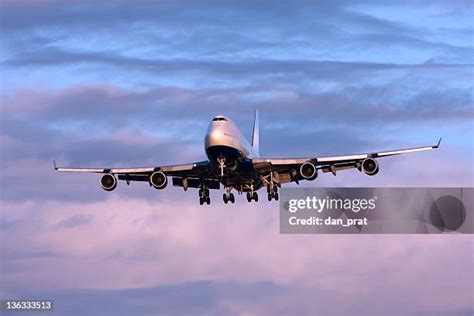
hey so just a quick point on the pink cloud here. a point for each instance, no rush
(139, 243)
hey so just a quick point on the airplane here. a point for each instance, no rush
(236, 164)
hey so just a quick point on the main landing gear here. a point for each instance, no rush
(272, 192)
(272, 186)
(252, 196)
(228, 197)
(204, 196)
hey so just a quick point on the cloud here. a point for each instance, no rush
(149, 245)
(75, 220)
(112, 105)
(334, 31)
(109, 126)
(229, 298)
(255, 67)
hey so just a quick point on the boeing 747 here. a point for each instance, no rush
(236, 164)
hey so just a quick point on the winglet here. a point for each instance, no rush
(54, 164)
(439, 142)
(256, 135)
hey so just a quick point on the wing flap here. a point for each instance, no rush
(134, 177)
(196, 183)
(278, 161)
(331, 159)
(133, 170)
(339, 167)
(178, 168)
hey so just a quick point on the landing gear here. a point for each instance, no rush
(272, 185)
(252, 196)
(204, 196)
(273, 195)
(206, 200)
(203, 200)
(272, 192)
(221, 162)
(228, 197)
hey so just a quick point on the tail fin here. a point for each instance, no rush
(256, 135)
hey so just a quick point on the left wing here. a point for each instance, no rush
(184, 175)
(295, 169)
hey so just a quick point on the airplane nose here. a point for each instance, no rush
(214, 136)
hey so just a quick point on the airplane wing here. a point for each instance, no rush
(183, 175)
(295, 169)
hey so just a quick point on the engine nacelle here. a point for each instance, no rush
(370, 166)
(108, 182)
(158, 180)
(308, 171)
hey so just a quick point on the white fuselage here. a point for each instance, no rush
(224, 138)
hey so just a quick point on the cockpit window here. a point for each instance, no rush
(219, 118)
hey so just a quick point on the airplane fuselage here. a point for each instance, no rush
(228, 151)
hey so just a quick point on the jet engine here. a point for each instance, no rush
(158, 180)
(370, 166)
(108, 182)
(308, 171)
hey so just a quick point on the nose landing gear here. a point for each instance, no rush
(221, 162)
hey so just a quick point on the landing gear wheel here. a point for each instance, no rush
(225, 198)
(201, 201)
(275, 196)
(255, 197)
(249, 197)
(208, 200)
(270, 196)
(232, 198)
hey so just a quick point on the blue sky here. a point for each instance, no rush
(136, 83)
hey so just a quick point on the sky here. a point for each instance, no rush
(135, 83)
